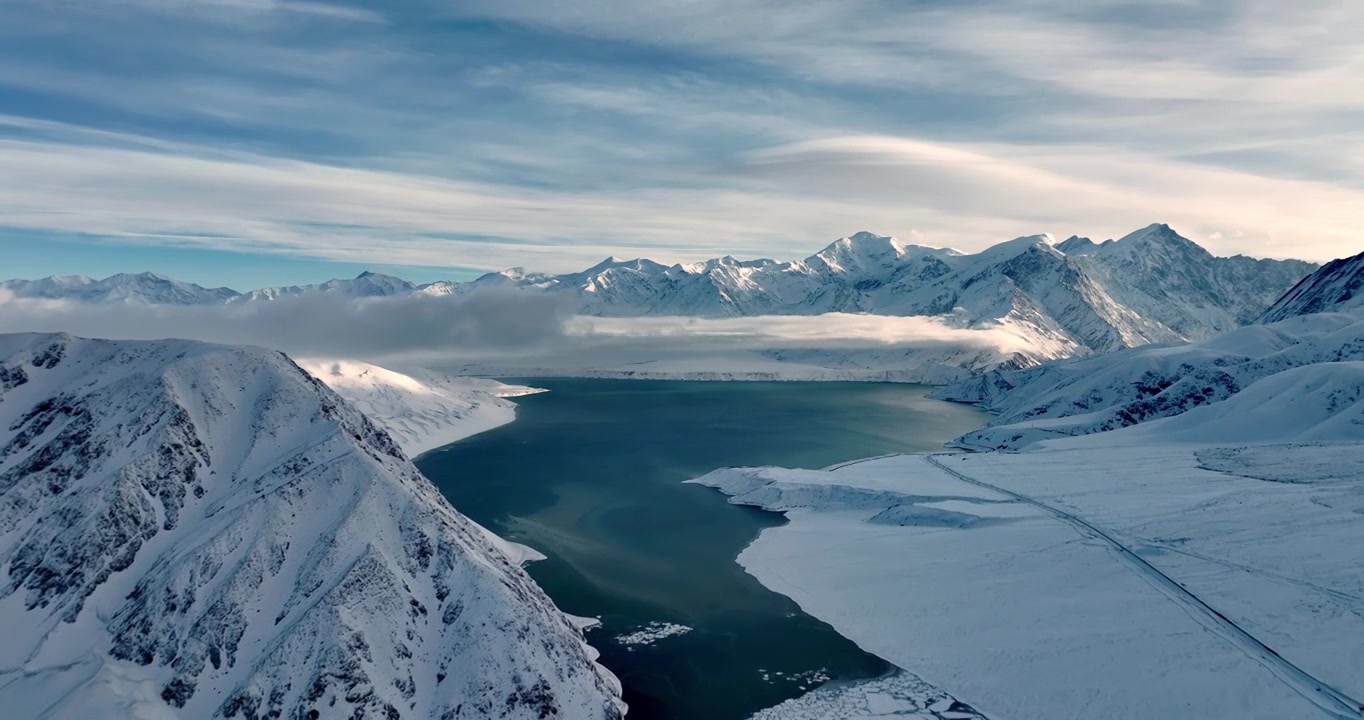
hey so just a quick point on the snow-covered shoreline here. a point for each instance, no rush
(1021, 612)
(422, 409)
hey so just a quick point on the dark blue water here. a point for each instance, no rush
(591, 475)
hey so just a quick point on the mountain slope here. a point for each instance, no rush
(1336, 286)
(1169, 279)
(206, 531)
(1129, 387)
(421, 409)
(1320, 402)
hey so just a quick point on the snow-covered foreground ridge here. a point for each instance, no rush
(197, 531)
(422, 409)
(1143, 582)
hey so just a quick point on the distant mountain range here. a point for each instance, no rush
(1152, 285)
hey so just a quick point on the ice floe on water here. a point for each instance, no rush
(802, 680)
(651, 633)
(900, 695)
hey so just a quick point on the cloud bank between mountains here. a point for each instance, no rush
(491, 326)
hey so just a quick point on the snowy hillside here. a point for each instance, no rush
(1105, 392)
(421, 409)
(199, 531)
(1336, 286)
(1126, 583)
(1321, 402)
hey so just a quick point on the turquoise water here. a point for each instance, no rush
(591, 475)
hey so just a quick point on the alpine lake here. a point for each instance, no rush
(591, 474)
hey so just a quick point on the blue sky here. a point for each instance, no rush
(258, 142)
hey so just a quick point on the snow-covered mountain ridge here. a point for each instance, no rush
(200, 531)
(1120, 389)
(1334, 287)
(1152, 285)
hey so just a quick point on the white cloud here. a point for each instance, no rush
(313, 325)
(817, 331)
(498, 328)
(793, 196)
(768, 129)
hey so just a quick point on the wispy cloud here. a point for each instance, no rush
(489, 133)
(786, 196)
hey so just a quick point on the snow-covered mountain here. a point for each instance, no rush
(1335, 286)
(366, 284)
(1234, 373)
(422, 409)
(1150, 286)
(1167, 278)
(124, 287)
(201, 531)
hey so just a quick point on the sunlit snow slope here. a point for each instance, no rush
(421, 409)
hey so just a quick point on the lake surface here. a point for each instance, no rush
(591, 475)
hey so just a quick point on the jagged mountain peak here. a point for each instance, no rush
(614, 263)
(610, 262)
(1012, 248)
(1152, 237)
(369, 277)
(858, 253)
(865, 241)
(1075, 245)
(867, 236)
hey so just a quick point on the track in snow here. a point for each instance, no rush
(1332, 701)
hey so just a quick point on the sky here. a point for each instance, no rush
(260, 142)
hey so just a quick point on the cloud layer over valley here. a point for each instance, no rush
(489, 328)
